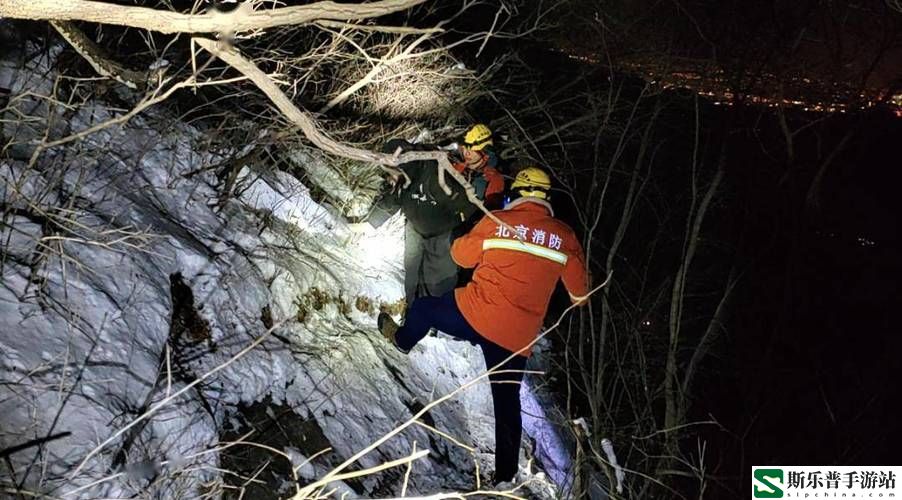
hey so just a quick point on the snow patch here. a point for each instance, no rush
(87, 332)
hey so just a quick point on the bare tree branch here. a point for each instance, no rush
(149, 100)
(403, 30)
(310, 129)
(175, 395)
(95, 56)
(241, 19)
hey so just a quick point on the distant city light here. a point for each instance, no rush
(798, 92)
(865, 242)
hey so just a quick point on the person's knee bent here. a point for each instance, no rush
(417, 322)
(421, 311)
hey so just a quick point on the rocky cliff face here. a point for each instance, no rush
(133, 291)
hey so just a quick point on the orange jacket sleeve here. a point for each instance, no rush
(495, 182)
(467, 250)
(574, 275)
(494, 191)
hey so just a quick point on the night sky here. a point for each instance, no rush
(809, 373)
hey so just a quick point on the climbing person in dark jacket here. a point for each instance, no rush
(502, 308)
(432, 214)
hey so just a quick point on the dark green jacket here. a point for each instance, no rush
(424, 203)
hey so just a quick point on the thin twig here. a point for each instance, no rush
(413, 420)
(178, 393)
(311, 129)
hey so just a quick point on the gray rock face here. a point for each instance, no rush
(132, 290)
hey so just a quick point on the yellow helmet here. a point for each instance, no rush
(532, 181)
(478, 137)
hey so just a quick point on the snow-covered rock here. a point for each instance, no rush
(126, 278)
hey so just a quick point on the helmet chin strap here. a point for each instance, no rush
(533, 193)
(480, 162)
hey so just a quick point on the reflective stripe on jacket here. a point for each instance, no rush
(508, 297)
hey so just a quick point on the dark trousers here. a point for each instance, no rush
(429, 270)
(442, 313)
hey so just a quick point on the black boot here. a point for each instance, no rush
(503, 477)
(389, 328)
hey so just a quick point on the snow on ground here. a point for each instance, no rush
(95, 329)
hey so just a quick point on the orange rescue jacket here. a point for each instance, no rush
(491, 188)
(508, 297)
